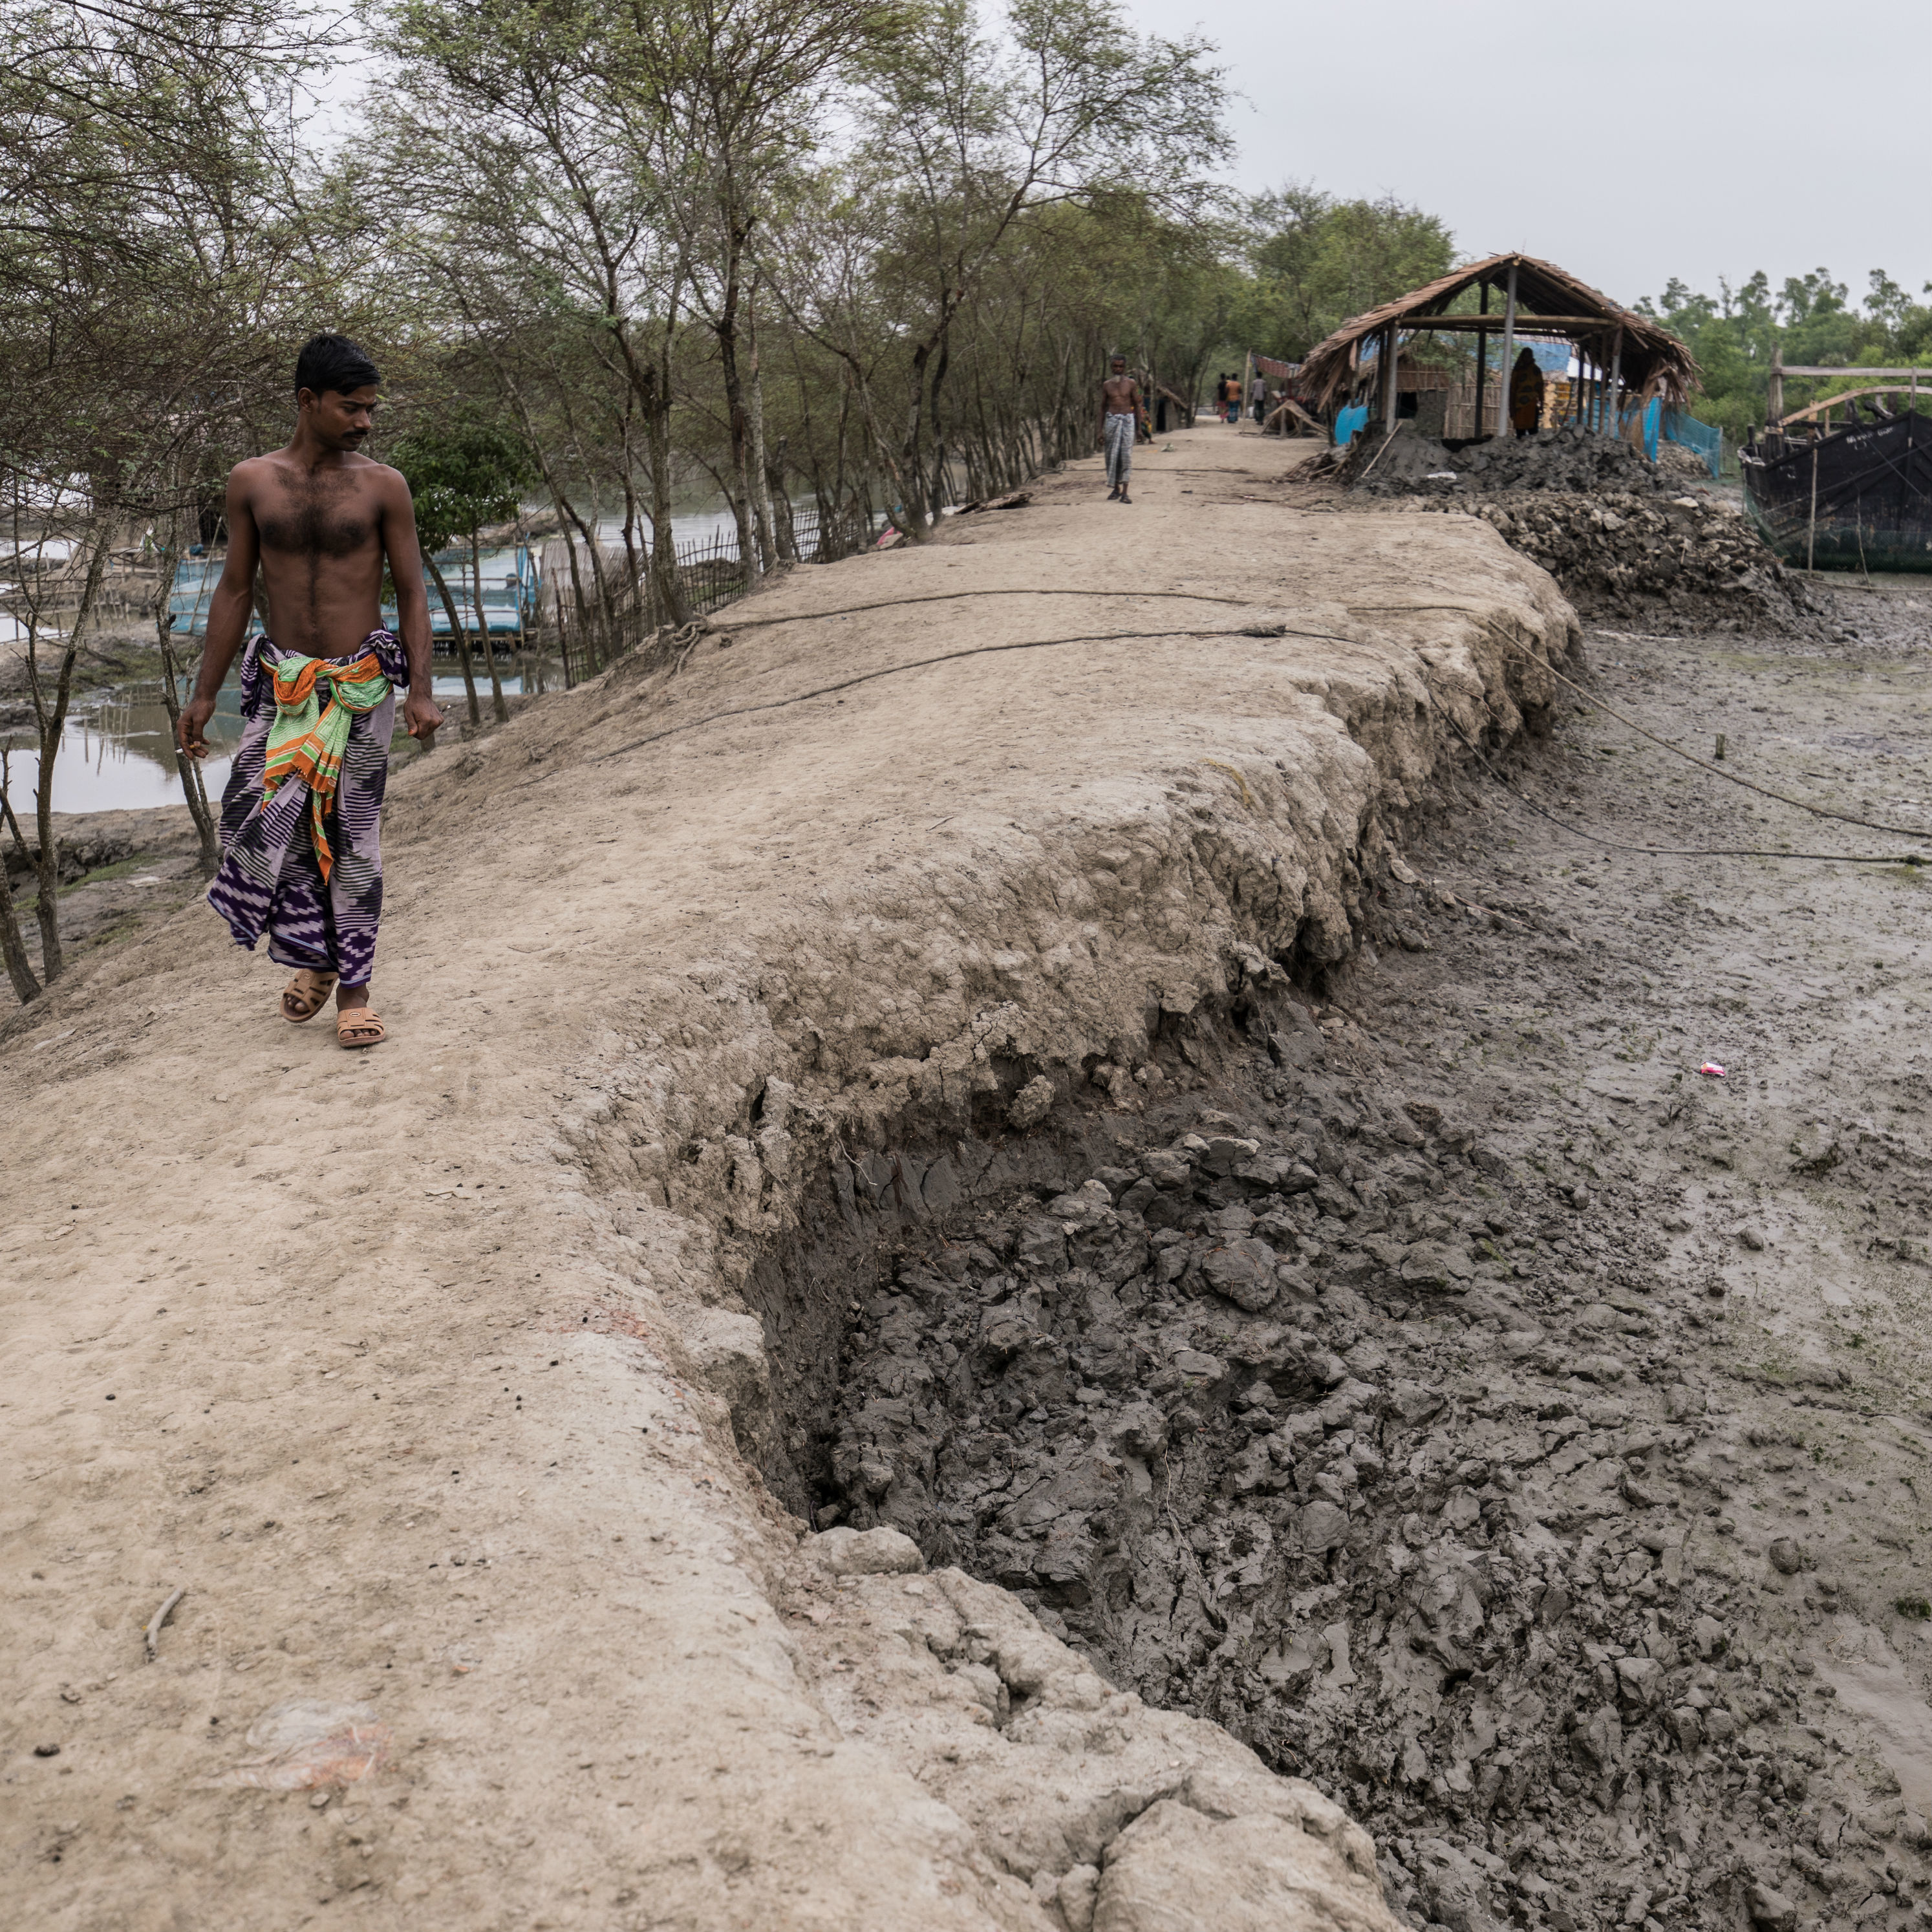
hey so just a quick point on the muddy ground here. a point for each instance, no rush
(436, 1377)
(1449, 1387)
(425, 1372)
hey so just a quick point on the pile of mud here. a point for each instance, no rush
(1569, 459)
(1669, 562)
(79, 851)
(1324, 1419)
(1563, 459)
(1625, 538)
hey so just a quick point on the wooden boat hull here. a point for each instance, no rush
(1872, 509)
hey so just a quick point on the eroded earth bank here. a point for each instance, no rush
(950, 1286)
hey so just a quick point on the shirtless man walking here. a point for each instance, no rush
(301, 851)
(1119, 411)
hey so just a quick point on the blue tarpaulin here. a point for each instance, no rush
(1348, 421)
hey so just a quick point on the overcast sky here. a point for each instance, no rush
(1698, 138)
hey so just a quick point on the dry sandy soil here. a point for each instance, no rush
(431, 1375)
(417, 1370)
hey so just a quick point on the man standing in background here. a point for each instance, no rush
(1526, 394)
(1120, 415)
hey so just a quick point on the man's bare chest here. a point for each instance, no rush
(320, 515)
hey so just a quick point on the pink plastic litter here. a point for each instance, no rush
(1711, 1070)
(307, 1744)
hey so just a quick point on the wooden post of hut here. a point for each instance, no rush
(1509, 351)
(1482, 363)
(1388, 380)
(1616, 373)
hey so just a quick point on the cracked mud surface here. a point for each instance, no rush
(1445, 1387)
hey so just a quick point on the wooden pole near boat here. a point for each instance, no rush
(1503, 372)
(1777, 386)
(1811, 528)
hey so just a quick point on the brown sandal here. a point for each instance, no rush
(305, 995)
(357, 1026)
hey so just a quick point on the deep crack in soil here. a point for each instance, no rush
(1429, 1374)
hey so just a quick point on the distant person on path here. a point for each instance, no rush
(302, 853)
(1120, 415)
(1257, 397)
(1526, 402)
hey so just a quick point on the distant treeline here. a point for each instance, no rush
(1811, 320)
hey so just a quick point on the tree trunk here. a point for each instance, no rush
(725, 327)
(458, 636)
(673, 606)
(761, 477)
(911, 478)
(52, 722)
(207, 828)
(784, 531)
(193, 788)
(12, 945)
(498, 707)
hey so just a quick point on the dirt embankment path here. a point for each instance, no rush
(424, 1373)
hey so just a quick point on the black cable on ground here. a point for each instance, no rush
(1669, 851)
(922, 663)
(951, 596)
(1703, 765)
(1327, 637)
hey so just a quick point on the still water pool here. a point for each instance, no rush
(117, 753)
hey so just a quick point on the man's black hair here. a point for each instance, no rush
(333, 362)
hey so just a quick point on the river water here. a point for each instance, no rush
(116, 754)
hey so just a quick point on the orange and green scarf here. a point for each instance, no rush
(307, 739)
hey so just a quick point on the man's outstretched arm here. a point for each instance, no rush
(228, 611)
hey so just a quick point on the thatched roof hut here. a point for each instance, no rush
(1634, 358)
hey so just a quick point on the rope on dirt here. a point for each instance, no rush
(952, 596)
(1690, 757)
(1670, 851)
(1327, 637)
(949, 657)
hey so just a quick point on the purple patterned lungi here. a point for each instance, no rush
(269, 879)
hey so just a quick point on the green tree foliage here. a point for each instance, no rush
(152, 285)
(1810, 319)
(463, 473)
(1315, 260)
